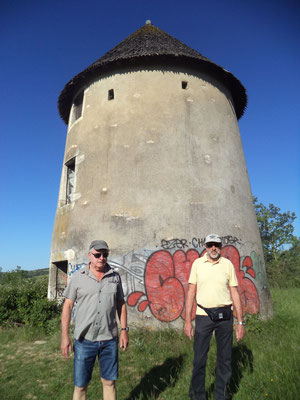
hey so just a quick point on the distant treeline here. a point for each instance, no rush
(18, 274)
(36, 272)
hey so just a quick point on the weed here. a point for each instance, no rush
(253, 323)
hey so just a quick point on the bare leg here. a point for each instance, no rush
(109, 390)
(80, 392)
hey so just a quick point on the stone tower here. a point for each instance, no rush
(153, 163)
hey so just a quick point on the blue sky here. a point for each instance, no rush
(45, 43)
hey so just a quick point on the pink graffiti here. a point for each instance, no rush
(166, 283)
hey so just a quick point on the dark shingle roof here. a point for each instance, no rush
(150, 46)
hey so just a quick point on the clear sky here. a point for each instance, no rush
(44, 43)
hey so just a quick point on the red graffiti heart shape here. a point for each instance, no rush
(166, 284)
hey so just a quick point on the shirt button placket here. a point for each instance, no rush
(98, 315)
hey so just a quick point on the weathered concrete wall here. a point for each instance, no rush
(158, 168)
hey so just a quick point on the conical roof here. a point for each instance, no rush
(150, 46)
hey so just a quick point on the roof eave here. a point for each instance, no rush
(235, 87)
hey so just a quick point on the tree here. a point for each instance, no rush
(15, 276)
(276, 229)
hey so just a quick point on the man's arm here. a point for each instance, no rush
(188, 328)
(122, 314)
(66, 345)
(236, 300)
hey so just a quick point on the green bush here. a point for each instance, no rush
(8, 305)
(284, 271)
(26, 303)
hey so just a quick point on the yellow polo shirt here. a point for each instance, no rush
(213, 281)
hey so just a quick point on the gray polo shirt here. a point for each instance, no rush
(95, 303)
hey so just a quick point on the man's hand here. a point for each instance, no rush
(188, 329)
(66, 346)
(239, 332)
(124, 340)
(236, 299)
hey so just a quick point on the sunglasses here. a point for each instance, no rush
(211, 244)
(98, 255)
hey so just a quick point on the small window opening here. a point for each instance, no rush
(184, 84)
(77, 107)
(70, 180)
(111, 94)
(61, 277)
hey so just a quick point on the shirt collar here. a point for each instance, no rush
(86, 270)
(215, 262)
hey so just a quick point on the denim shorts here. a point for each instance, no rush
(85, 353)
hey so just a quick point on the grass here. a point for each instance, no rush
(158, 365)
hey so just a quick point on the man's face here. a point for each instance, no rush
(98, 258)
(213, 250)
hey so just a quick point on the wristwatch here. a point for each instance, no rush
(241, 323)
(125, 329)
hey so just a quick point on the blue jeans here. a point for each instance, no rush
(85, 353)
(204, 328)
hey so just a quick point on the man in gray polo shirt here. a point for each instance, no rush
(97, 293)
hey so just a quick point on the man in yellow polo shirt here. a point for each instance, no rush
(214, 284)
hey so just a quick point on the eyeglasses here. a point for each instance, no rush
(211, 244)
(98, 255)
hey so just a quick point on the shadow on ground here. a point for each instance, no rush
(242, 359)
(158, 379)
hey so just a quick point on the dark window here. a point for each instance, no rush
(70, 180)
(77, 107)
(61, 277)
(111, 94)
(184, 84)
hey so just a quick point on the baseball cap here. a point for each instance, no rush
(99, 245)
(213, 238)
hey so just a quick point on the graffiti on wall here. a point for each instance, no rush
(169, 244)
(156, 282)
(74, 267)
(166, 283)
